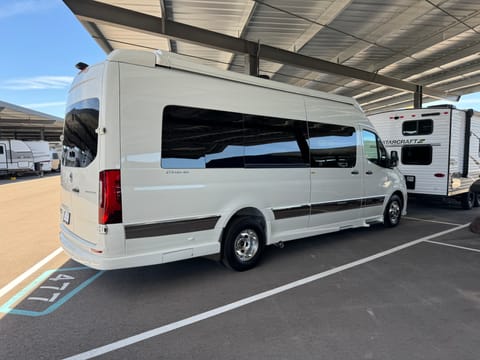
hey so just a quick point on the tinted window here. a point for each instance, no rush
(194, 138)
(274, 142)
(198, 138)
(417, 155)
(332, 146)
(1, 150)
(79, 133)
(417, 127)
(373, 148)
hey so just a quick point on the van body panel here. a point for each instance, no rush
(176, 201)
(334, 190)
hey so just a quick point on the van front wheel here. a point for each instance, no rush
(393, 211)
(243, 244)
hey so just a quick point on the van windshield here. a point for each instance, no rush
(79, 133)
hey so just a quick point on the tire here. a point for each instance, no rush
(393, 211)
(476, 202)
(243, 244)
(468, 200)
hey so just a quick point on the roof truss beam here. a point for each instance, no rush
(88, 10)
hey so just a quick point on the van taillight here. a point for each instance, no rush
(110, 198)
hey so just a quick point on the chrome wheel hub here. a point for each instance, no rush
(246, 245)
(394, 212)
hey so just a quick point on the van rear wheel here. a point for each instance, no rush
(393, 211)
(243, 244)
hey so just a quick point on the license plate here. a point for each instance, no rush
(66, 217)
(410, 178)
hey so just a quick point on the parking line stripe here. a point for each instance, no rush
(240, 303)
(454, 246)
(432, 221)
(4, 290)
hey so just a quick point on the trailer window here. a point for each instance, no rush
(332, 146)
(416, 155)
(417, 127)
(79, 133)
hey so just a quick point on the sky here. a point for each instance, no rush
(42, 41)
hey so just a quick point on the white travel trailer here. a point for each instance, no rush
(41, 155)
(165, 159)
(15, 157)
(439, 149)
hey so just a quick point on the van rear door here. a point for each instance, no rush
(80, 168)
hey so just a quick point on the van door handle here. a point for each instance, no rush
(355, 172)
(369, 172)
(77, 190)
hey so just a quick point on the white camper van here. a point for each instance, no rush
(165, 159)
(41, 155)
(15, 157)
(439, 147)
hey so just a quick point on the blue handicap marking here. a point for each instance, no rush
(49, 291)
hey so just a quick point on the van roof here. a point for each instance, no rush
(180, 62)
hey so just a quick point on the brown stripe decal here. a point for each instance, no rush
(170, 227)
(336, 206)
(376, 201)
(328, 207)
(303, 210)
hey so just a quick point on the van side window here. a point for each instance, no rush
(417, 154)
(195, 138)
(1, 150)
(199, 138)
(274, 142)
(332, 146)
(373, 148)
(417, 127)
(79, 133)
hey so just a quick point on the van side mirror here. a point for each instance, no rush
(393, 158)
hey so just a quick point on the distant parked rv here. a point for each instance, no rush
(439, 150)
(15, 157)
(41, 155)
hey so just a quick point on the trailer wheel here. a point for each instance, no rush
(468, 200)
(476, 202)
(393, 211)
(243, 244)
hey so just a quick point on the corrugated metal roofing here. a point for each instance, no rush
(434, 43)
(17, 122)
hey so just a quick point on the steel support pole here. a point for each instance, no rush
(418, 97)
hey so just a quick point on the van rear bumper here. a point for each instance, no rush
(82, 251)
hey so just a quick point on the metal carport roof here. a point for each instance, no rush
(379, 52)
(17, 122)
